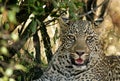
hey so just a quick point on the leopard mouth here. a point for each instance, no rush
(79, 61)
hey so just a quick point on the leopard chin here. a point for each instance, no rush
(80, 64)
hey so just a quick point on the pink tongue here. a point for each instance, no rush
(79, 60)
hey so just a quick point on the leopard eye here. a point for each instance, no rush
(70, 40)
(71, 37)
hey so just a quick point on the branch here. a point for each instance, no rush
(93, 9)
(46, 41)
(37, 47)
(15, 47)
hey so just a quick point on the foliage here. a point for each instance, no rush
(17, 66)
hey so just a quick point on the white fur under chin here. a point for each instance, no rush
(82, 67)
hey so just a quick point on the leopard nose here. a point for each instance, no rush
(80, 52)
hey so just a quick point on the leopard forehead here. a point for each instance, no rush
(77, 30)
(80, 27)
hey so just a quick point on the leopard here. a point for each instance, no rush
(80, 57)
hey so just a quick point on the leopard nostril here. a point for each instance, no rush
(80, 52)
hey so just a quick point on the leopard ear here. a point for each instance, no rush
(64, 24)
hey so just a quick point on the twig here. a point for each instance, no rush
(91, 11)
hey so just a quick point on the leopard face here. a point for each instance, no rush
(75, 39)
(79, 53)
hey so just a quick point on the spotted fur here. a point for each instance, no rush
(96, 66)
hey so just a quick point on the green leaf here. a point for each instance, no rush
(20, 67)
(1, 70)
(11, 16)
(4, 50)
(33, 26)
(9, 72)
(11, 79)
